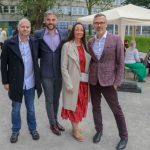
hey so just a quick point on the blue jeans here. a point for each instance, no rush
(29, 96)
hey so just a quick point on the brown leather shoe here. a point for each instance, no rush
(55, 130)
(60, 127)
(78, 136)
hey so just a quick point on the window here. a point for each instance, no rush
(74, 10)
(12, 9)
(80, 10)
(94, 11)
(6, 10)
(65, 10)
(69, 10)
(55, 9)
(1, 9)
(85, 11)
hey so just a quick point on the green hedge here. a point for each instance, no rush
(143, 43)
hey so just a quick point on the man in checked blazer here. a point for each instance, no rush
(106, 71)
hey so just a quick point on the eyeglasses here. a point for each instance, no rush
(99, 23)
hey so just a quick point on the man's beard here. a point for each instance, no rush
(51, 28)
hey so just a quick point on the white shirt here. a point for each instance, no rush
(25, 50)
(131, 55)
(98, 45)
(3, 36)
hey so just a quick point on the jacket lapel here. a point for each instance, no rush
(60, 37)
(107, 42)
(103, 53)
(105, 45)
(87, 57)
(76, 54)
(73, 53)
(42, 36)
(15, 47)
(31, 48)
(91, 49)
(87, 60)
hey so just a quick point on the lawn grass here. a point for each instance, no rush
(143, 43)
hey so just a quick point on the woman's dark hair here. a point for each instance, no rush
(126, 43)
(71, 35)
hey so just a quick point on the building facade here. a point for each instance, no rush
(68, 12)
(9, 15)
(117, 3)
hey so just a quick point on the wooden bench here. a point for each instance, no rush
(128, 70)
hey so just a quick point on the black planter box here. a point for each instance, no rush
(129, 86)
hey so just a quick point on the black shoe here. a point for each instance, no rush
(97, 137)
(60, 127)
(35, 135)
(14, 137)
(122, 144)
(55, 130)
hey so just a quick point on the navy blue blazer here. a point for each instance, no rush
(50, 62)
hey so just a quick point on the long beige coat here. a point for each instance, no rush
(70, 69)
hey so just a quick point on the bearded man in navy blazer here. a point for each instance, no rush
(50, 41)
(106, 72)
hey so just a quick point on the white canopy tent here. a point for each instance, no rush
(122, 16)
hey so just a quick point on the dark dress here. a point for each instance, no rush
(82, 103)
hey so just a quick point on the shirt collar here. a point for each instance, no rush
(22, 41)
(47, 32)
(103, 37)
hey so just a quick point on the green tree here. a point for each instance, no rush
(144, 3)
(34, 10)
(2, 3)
(103, 5)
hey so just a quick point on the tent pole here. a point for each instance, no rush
(133, 32)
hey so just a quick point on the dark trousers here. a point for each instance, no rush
(52, 88)
(110, 94)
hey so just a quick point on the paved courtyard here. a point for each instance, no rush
(136, 108)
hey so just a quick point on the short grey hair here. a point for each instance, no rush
(22, 20)
(99, 15)
(49, 12)
(132, 43)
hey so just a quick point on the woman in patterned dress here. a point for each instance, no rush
(75, 66)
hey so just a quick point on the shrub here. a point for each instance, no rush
(143, 43)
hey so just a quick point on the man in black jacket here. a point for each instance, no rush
(50, 43)
(20, 77)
